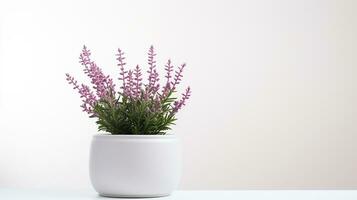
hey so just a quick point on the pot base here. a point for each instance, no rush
(133, 195)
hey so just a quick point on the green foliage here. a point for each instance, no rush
(135, 116)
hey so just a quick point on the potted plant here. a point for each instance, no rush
(135, 157)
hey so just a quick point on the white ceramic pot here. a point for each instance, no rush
(135, 165)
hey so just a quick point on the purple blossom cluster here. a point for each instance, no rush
(102, 84)
(153, 79)
(182, 102)
(132, 87)
(88, 98)
(137, 82)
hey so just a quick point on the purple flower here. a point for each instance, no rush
(153, 78)
(156, 104)
(168, 69)
(156, 86)
(123, 72)
(178, 76)
(167, 86)
(102, 84)
(137, 80)
(130, 84)
(71, 81)
(182, 102)
(152, 65)
(88, 98)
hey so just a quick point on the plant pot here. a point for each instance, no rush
(135, 165)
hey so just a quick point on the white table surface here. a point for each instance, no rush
(27, 194)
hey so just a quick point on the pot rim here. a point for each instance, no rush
(131, 136)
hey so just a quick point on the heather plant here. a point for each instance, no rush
(136, 108)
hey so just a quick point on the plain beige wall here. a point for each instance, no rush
(274, 88)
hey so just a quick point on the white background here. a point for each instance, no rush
(274, 88)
